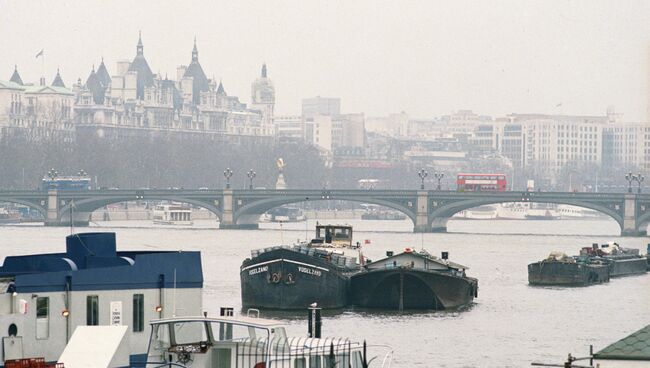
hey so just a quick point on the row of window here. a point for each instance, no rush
(92, 314)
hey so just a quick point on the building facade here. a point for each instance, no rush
(135, 101)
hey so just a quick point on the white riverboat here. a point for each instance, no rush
(251, 342)
(172, 214)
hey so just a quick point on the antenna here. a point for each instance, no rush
(421, 241)
(71, 217)
(174, 295)
(281, 235)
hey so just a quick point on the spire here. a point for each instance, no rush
(16, 77)
(58, 81)
(195, 52)
(220, 89)
(140, 48)
(264, 70)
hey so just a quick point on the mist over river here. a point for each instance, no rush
(510, 324)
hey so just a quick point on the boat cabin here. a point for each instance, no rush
(337, 235)
(418, 260)
(44, 297)
(243, 342)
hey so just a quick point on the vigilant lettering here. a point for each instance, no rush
(257, 270)
(309, 271)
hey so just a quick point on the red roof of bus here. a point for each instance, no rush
(480, 174)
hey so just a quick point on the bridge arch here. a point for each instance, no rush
(439, 217)
(83, 208)
(31, 204)
(249, 214)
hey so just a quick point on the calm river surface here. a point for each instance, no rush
(510, 325)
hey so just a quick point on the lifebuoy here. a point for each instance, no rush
(275, 278)
(408, 250)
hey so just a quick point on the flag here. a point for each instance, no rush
(558, 105)
(40, 53)
(367, 241)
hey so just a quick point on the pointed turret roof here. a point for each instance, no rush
(58, 81)
(16, 77)
(221, 90)
(200, 81)
(141, 67)
(264, 70)
(94, 85)
(102, 74)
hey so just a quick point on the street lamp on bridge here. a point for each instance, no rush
(251, 174)
(422, 174)
(227, 173)
(630, 178)
(639, 179)
(438, 176)
(52, 174)
(83, 173)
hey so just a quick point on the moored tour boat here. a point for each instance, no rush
(172, 214)
(293, 277)
(252, 342)
(413, 280)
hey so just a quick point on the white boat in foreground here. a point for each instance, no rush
(250, 342)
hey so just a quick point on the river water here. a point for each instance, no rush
(510, 324)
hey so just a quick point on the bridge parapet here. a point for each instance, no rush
(429, 210)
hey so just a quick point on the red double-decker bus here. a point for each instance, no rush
(481, 182)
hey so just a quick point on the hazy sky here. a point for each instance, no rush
(424, 57)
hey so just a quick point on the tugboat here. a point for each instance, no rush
(294, 277)
(413, 280)
(562, 270)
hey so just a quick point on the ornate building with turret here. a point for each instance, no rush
(135, 101)
(36, 111)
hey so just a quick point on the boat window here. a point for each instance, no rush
(189, 332)
(92, 310)
(160, 338)
(357, 360)
(341, 233)
(138, 312)
(300, 363)
(222, 331)
(42, 317)
(315, 362)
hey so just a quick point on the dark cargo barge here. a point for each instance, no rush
(559, 269)
(594, 265)
(413, 280)
(294, 277)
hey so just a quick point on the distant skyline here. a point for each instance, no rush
(427, 58)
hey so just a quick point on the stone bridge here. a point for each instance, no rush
(241, 209)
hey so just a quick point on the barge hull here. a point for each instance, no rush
(630, 266)
(288, 280)
(404, 288)
(566, 274)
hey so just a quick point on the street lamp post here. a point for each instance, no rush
(251, 174)
(630, 178)
(439, 176)
(227, 173)
(639, 179)
(422, 174)
(52, 174)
